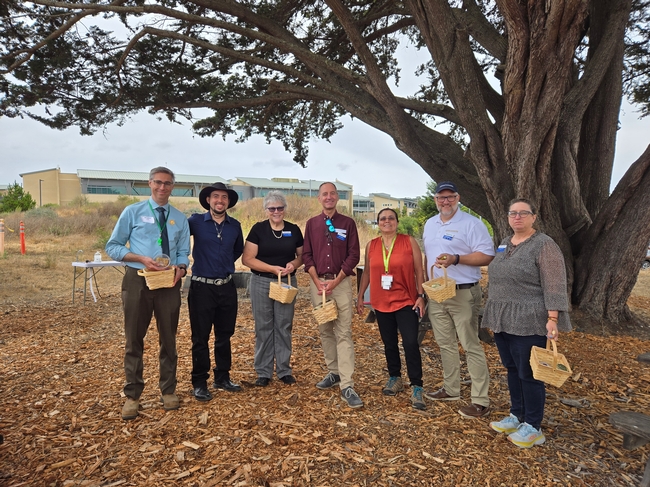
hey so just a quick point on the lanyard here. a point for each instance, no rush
(157, 220)
(383, 252)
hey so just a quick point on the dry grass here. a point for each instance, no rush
(95, 221)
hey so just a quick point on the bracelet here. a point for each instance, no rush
(552, 318)
(457, 259)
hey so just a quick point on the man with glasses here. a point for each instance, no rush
(330, 254)
(461, 243)
(212, 299)
(151, 228)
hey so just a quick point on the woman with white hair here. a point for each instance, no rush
(273, 246)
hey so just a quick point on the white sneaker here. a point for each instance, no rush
(507, 425)
(526, 436)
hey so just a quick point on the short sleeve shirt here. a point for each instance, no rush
(276, 247)
(463, 234)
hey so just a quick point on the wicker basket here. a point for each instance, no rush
(158, 279)
(545, 362)
(440, 288)
(284, 293)
(325, 312)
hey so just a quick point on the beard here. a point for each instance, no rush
(216, 212)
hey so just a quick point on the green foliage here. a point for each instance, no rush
(425, 209)
(16, 199)
(409, 226)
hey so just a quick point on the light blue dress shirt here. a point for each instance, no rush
(138, 226)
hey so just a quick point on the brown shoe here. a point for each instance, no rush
(130, 409)
(441, 395)
(474, 411)
(170, 402)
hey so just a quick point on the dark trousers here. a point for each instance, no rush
(406, 321)
(139, 304)
(209, 306)
(527, 394)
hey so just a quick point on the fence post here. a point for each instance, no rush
(2, 237)
(22, 238)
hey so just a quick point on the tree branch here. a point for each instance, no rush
(481, 30)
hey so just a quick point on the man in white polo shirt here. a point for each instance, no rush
(461, 243)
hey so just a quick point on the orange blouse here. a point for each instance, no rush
(403, 291)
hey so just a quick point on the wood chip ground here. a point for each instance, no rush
(60, 400)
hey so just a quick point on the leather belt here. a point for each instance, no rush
(328, 276)
(466, 286)
(216, 282)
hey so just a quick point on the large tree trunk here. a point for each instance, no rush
(609, 261)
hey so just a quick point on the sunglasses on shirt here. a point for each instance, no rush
(330, 226)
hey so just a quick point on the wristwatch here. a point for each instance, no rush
(423, 296)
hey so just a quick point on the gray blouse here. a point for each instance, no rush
(525, 282)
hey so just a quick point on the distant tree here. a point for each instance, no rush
(409, 226)
(16, 199)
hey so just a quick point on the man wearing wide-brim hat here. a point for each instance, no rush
(212, 299)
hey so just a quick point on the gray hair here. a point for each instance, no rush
(274, 196)
(158, 169)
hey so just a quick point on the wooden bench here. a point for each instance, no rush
(636, 433)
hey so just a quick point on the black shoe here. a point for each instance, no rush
(262, 381)
(288, 379)
(226, 385)
(201, 393)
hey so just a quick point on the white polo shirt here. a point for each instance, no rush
(462, 235)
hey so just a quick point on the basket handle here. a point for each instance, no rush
(323, 298)
(550, 343)
(280, 279)
(444, 269)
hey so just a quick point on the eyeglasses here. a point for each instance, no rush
(273, 209)
(330, 226)
(166, 184)
(387, 218)
(520, 214)
(446, 198)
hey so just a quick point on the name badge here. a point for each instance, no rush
(148, 219)
(341, 233)
(286, 233)
(386, 281)
(501, 248)
(446, 236)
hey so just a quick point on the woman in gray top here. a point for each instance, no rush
(527, 303)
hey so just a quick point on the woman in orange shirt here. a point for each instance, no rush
(393, 266)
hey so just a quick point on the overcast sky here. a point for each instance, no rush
(358, 154)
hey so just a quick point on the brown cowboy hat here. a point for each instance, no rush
(207, 191)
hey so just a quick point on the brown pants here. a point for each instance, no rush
(139, 305)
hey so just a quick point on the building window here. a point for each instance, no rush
(96, 189)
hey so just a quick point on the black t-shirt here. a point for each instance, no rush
(275, 247)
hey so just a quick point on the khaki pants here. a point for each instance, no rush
(336, 336)
(454, 320)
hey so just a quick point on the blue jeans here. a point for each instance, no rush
(527, 394)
